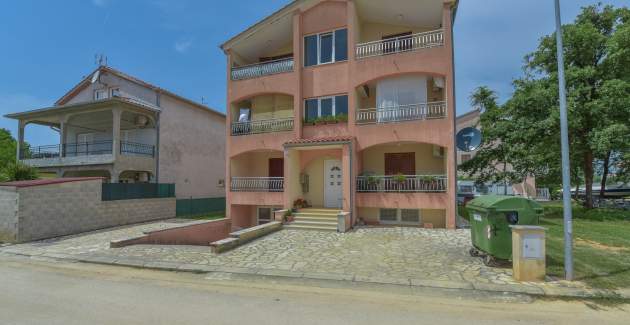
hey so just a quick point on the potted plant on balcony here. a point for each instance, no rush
(398, 181)
(430, 182)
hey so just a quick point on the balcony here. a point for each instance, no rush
(400, 44)
(93, 148)
(257, 184)
(402, 183)
(262, 126)
(421, 111)
(262, 69)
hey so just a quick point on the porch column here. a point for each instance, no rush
(292, 186)
(20, 139)
(63, 133)
(347, 177)
(116, 114)
(114, 176)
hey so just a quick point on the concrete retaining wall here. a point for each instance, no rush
(201, 234)
(60, 209)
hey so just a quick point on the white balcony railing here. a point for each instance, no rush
(420, 111)
(402, 183)
(257, 184)
(400, 44)
(262, 126)
(262, 69)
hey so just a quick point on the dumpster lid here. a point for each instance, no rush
(503, 203)
(527, 227)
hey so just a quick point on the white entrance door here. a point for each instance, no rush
(333, 184)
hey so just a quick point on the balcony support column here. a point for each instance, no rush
(116, 114)
(20, 139)
(63, 134)
(297, 72)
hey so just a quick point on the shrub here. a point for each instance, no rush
(18, 172)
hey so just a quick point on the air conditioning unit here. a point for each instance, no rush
(141, 121)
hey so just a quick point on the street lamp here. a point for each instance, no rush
(564, 139)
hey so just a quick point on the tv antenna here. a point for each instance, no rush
(100, 59)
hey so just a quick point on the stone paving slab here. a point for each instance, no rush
(395, 256)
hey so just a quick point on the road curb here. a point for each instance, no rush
(527, 289)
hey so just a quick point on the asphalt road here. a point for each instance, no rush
(50, 292)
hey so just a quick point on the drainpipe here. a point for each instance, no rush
(157, 138)
(157, 148)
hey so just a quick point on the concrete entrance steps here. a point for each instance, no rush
(314, 219)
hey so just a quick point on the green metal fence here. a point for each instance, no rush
(120, 191)
(195, 207)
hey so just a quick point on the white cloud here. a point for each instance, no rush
(100, 3)
(183, 46)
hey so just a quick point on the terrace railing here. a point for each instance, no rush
(262, 126)
(402, 183)
(257, 184)
(87, 149)
(262, 69)
(400, 44)
(420, 111)
(139, 149)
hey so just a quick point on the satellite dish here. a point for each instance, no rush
(95, 76)
(468, 139)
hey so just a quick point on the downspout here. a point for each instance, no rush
(157, 138)
(352, 184)
(454, 152)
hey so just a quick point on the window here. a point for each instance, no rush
(114, 92)
(465, 158)
(100, 94)
(388, 215)
(326, 47)
(410, 215)
(400, 216)
(325, 106)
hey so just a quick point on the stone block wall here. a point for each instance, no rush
(69, 208)
(8, 214)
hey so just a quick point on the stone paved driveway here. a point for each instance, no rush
(385, 255)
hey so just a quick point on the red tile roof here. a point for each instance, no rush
(41, 182)
(323, 140)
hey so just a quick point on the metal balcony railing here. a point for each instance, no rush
(86, 149)
(402, 183)
(420, 111)
(262, 69)
(262, 126)
(257, 184)
(140, 149)
(400, 44)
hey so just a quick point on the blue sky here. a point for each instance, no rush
(48, 46)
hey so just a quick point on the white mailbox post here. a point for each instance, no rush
(528, 253)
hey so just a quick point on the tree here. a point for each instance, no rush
(8, 148)
(598, 95)
(492, 161)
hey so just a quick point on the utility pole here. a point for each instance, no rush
(564, 138)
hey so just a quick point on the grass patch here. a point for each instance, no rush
(206, 216)
(601, 245)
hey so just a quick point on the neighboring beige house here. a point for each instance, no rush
(126, 130)
(349, 105)
(526, 188)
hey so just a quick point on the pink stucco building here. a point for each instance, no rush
(349, 105)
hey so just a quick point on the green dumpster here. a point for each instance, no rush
(490, 219)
